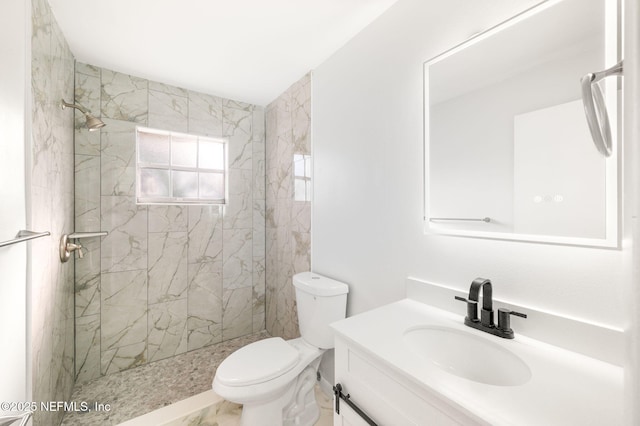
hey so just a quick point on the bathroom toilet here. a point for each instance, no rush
(274, 379)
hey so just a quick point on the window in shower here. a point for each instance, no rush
(301, 177)
(177, 168)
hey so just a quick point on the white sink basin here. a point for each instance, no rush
(467, 355)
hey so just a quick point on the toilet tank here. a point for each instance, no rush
(320, 301)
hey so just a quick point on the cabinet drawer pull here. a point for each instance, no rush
(337, 391)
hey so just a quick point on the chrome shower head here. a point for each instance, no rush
(93, 123)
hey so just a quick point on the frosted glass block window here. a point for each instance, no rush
(177, 168)
(184, 151)
(301, 177)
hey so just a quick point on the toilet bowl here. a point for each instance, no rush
(274, 379)
(266, 383)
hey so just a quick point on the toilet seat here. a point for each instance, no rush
(258, 362)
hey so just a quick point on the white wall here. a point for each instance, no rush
(368, 179)
(632, 134)
(13, 289)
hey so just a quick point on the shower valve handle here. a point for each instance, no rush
(67, 247)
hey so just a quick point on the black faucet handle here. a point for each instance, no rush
(504, 322)
(472, 308)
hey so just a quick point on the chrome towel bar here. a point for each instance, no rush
(87, 234)
(13, 419)
(24, 235)
(444, 219)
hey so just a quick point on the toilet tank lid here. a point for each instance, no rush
(315, 284)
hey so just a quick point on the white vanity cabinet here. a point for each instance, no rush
(385, 396)
(455, 382)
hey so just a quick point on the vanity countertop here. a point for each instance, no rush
(566, 388)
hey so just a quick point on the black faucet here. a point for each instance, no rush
(485, 323)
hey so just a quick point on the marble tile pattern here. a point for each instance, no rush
(225, 413)
(287, 222)
(167, 279)
(220, 413)
(51, 199)
(141, 390)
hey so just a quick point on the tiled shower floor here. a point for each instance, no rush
(141, 390)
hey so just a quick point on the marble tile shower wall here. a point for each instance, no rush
(167, 279)
(288, 226)
(51, 198)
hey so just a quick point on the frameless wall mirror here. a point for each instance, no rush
(508, 150)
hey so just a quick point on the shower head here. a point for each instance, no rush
(93, 123)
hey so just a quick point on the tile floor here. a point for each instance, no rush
(143, 389)
(200, 411)
(151, 387)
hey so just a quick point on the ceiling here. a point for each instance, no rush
(247, 50)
